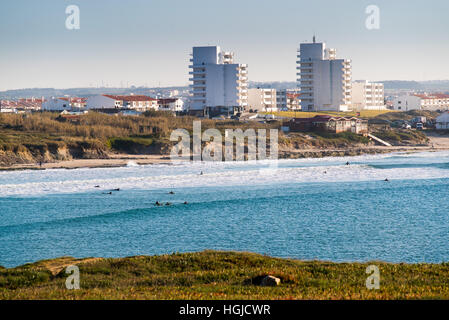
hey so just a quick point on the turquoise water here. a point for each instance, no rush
(305, 209)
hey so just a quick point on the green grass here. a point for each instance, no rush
(221, 275)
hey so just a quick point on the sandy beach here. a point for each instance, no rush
(114, 160)
(437, 143)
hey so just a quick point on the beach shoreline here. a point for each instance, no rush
(436, 143)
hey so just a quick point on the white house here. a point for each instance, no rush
(430, 102)
(324, 80)
(170, 104)
(63, 103)
(108, 101)
(442, 121)
(218, 84)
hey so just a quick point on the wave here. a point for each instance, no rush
(444, 165)
(188, 175)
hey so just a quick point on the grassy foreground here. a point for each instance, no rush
(221, 275)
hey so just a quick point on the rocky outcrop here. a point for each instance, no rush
(270, 281)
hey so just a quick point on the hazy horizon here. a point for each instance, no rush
(147, 44)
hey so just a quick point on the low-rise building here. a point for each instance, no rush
(64, 103)
(442, 121)
(367, 95)
(293, 101)
(325, 123)
(170, 104)
(281, 99)
(136, 102)
(288, 99)
(262, 100)
(431, 102)
(22, 105)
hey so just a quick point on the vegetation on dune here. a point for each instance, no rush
(221, 275)
(402, 137)
(48, 137)
(408, 115)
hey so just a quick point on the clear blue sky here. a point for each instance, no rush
(148, 42)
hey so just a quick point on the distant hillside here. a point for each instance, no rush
(275, 85)
(434, 85)
(80, 92)
(406, 85)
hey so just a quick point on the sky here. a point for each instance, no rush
(148, 42)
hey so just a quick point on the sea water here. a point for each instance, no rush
(305, 209)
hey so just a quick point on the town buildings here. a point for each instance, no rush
(324, 80)
(139, 103)
(281, 99)
(431, 102)
(21, 105)
(262, 100)
(170, 104)
(367, 95)
(64, 103)
(219, 85)
(293, 101)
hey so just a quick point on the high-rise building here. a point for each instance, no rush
(324, 80)
(367, 95)
(218, 84)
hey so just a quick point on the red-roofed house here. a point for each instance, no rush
(63, 103)
(108, 101)
(436, 101)
(326, 123)
(170, 104)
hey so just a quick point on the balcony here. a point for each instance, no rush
(198, 85)
(198, 98)
(197, 72)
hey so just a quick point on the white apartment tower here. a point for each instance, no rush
(324, 80)
(218, 84)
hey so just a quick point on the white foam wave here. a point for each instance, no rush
(181, 175)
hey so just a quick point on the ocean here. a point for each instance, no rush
(304, 209)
